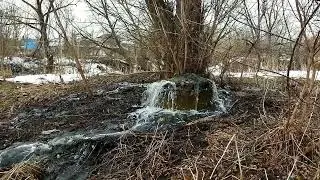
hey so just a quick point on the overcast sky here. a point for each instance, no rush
(81, 12)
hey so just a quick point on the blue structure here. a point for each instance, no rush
(30, 44)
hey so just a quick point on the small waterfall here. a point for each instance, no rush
(160, 94)
(217, 100)
(159, 106)
(157, 96)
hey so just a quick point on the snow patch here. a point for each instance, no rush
(45, 78)
(297, 74)
(26, 63)
(65, 71)
(293, 74)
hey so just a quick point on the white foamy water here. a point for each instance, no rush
(157, 92)
(163, 93)
(20, 153)
(73, 139)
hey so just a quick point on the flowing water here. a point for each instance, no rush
(157, 92)
(154, 115)
(66, 152)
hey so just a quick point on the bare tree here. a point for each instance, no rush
(170, 35)
(73, 49)
(255, 21)
(9, 34)
(115, 20)
(9, 31)
(41, 23)
(305, 13)
(220, 43)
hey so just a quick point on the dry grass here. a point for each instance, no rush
(245, 145)
(264, 149)
(232, 152)
(140, 77)
(249, 144)
(14, 96)
(5, 72)
(22, 171)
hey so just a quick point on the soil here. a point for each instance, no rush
(29, 110)
(109, 107)
(191, 151)
(163, 155)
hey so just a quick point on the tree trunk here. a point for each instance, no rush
(48, 54)
(44, 39)
(193, 28)
(180, 34)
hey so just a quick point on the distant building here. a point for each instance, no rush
(29, 45)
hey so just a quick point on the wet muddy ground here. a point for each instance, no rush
(195, 147)
(107, 109)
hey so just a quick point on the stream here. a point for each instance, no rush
(64, 135)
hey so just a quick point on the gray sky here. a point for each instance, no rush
(81, 12)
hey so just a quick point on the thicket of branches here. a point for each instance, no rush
(184, 36)
(177, 36)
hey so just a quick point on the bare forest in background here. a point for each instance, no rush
(164, 35)
(209, 38)
(172, 36)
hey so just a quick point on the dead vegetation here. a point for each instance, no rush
(22, 171)
(251, 143)
(14, 96)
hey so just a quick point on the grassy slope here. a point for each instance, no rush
(14, 96)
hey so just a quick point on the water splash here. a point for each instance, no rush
(159, 101)
(159, 94)
(21, 152)
(219, 102)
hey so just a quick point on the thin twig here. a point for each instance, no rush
(224, 152)
(294, 165)
(265, 173)
(239, 161)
